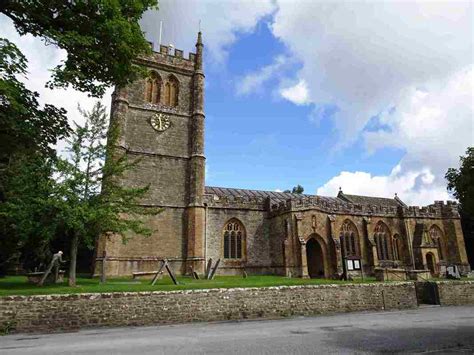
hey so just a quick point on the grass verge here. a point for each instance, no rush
(18, 285)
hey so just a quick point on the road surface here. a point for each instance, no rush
(432, 330)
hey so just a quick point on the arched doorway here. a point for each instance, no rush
(430, 263)
(315, 259)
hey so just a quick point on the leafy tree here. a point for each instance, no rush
(25, 127)
(296, 190)
(27, 214)
(90, 200)
(101, 37)
(461, 185)
(461, 182)
(27, 133)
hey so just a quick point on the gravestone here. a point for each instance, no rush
(452, 272)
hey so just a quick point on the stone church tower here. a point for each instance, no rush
(161, 121)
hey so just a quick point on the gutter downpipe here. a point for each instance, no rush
(205, 233)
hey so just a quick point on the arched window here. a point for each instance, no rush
(171, 92)
(383, 241)
(396, 247)
(153, 88)
(436, 238)
(234, 235)
(350, 239)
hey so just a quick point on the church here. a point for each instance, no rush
(162, 120)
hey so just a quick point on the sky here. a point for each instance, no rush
(374, 97)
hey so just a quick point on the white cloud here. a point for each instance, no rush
(253, 82)
(433, 126)
(367, 58)
(362, 55)
(221, 21)
(298, 94)
(41, 59)
(413, 187)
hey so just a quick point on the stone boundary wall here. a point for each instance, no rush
(75, 311)
(455, 293)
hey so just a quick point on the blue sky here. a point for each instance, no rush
(262, 141)
(374, 97)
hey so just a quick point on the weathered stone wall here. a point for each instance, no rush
(256, 251)
(69, 312)
(452, 293)
(143, 253)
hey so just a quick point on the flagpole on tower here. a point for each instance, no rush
(161, 30)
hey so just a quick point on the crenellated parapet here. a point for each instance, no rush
(332, 206)
(168, 55)
(439, 209)
(236, 202)
(336, 206)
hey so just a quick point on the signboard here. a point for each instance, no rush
(353, 264)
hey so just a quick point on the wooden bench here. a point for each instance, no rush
(145, 274)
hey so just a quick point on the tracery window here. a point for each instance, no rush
(234, 235)
(436, 238)
(153, 88)
(383, 241)
(171, 92)
(396, 247)
(350, 239)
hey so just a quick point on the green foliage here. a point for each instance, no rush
(7, 327)
(83, 210)
(296, 190)
(101, 37)
(27, 216)
(25, 127)
(461, 182)
(27, 133)
(82, 175)
(17, 285)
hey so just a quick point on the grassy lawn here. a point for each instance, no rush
(18, 285)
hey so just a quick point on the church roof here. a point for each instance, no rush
(274, 195)
(283, 196)
(369, 200)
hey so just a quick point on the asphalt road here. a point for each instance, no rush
(433, 330)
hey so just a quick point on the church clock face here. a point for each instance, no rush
(160, 122)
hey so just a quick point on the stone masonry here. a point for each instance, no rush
(259, 232)
(75, 311)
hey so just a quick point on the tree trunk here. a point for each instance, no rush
(73, 262)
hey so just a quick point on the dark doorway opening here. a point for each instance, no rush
(430, 263)
(315, 259)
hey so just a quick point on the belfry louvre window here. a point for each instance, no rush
(153, 88)
(171, 93)
(233, 239)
